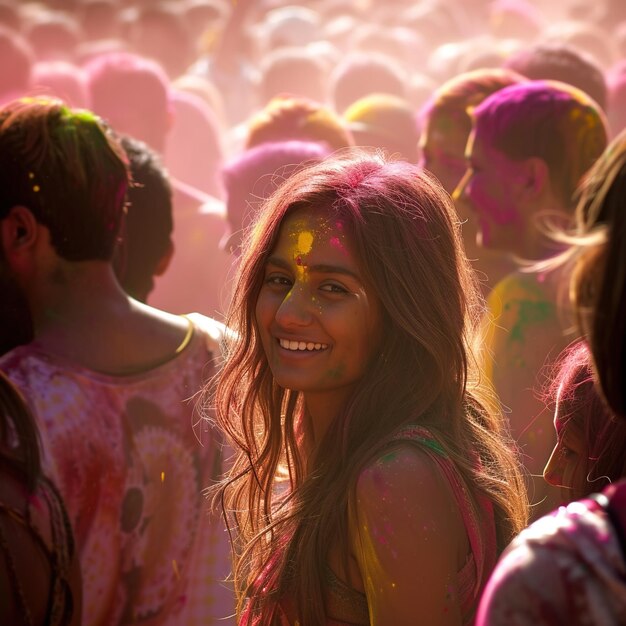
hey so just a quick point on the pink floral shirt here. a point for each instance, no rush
(131, 460)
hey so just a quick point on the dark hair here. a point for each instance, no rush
(66, 167)
(148, 223)
(599, 282)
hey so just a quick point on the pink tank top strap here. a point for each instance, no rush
(478, 518)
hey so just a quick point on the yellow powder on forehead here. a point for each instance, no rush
(305, 242)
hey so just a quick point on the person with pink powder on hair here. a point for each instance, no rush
(530, 146)
(589, 453)
(569, 567)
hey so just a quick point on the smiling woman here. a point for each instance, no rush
(372, 484)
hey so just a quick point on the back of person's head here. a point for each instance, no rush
(387, 122)
(286, 118)
(580, 407)
(456, 98)
(54, 36)
(146, 235)
(18, 58)
(362, 74)
(159, 32)
(587, 38)
(62, 80)
(446, 120)
(294, 71)
(548, 120)
(203, 88)
(286, 26)
(132, 94)
(599, 286)
(67, 169)
(251, 177)
(438, 22)
(205, 20)
(99, 19)
(515, 19)
(402, 44)
(201, 15)
(557, 61)
(194, 152)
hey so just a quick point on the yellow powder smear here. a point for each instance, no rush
(305, 242)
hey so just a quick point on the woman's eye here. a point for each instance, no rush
(277, 281)
(332, 288)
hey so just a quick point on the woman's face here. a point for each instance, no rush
(567, 465)
(318, 321)
(443, 151)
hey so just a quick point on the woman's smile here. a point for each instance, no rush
(318, 321)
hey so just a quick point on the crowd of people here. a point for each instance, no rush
(312, 313)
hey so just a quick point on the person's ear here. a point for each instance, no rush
(19, 230)
(535, 178)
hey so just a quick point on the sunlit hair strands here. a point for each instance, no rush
(403, 230)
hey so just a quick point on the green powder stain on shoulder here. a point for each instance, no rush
(388, 458)
(529, 313)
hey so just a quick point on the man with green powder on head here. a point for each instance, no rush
(109, 379)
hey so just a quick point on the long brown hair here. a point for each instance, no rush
(599, 277)
(403, 230)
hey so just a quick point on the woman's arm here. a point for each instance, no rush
(409, 541)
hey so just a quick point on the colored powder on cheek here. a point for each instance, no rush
(336, 372)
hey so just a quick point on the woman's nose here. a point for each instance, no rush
(297, 307)
(460, 192)
(552, 473)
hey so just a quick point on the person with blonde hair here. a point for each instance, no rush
(371, 483)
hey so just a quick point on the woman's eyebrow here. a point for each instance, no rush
(318, 268)
(322, 268)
